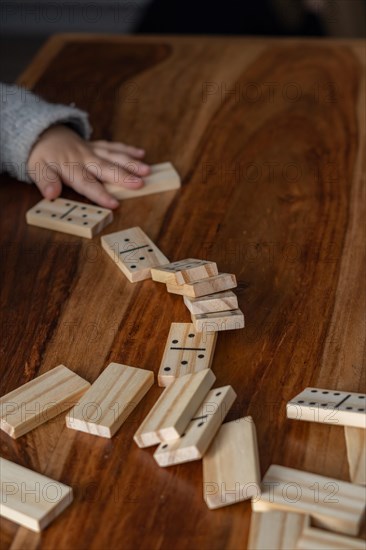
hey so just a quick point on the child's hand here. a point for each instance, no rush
(62, 156)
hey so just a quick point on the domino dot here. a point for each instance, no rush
(361, 397)
(38, 211)
(85, 215)
(99, 211)
(133, 267)
(142, 258)
(325, 391)
(69, 219)
(314, 391)
(165, 446)
(174, 341)
(200, 424)
(67, 204)
(200, 356)
(53, 215)
(300, 401)
(324, 404)
(85, 223)
(167, 369)
(336, 393)
(150, 250)
(349, 408)
(183, 434)
(191, 335)
(184, 362)
(126, 240)
(312, 403)
(218, 393)
(83, 208)
(361, 410)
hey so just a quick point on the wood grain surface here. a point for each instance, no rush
(267, 136)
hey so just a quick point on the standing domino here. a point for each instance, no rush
(220, 301)
(201, 430)
(231, 466)
(31, 499)
(276, 530)
(174, 409)
(108, 402)
(217, 321)
(184, 271)
(317, 539)
(202, 287)
(39, 400)
(133, 252)
(163, 177)
(69, 216)
(339, 408)
(186, 352)
(356, 454)
(331, 503)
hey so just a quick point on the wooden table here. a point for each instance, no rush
(267, 135)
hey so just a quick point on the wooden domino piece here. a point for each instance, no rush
(214, 322)
(275, 530)
(113, 396)
(209, 285)
(329, 407)
(356, 454)
(75, 218)
(317, 539)
(221, 301)
(231, 466)
(186, 351)
(133, 252)
(174, 409)
(39, 400)
(184, 271)
(163, 177)
(201, 430)
(31, 499)
(331, 503)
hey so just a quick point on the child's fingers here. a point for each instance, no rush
(129, 164)
(85, 183)
(109, 172)
(117, 147)
(48, 181)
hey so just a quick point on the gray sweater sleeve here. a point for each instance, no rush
(23, 118)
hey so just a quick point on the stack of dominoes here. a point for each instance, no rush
(207, 293)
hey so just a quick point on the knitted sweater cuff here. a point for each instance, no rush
(23, 118)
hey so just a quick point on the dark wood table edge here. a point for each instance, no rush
(54, 44)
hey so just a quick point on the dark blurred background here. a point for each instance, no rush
(25, 25)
